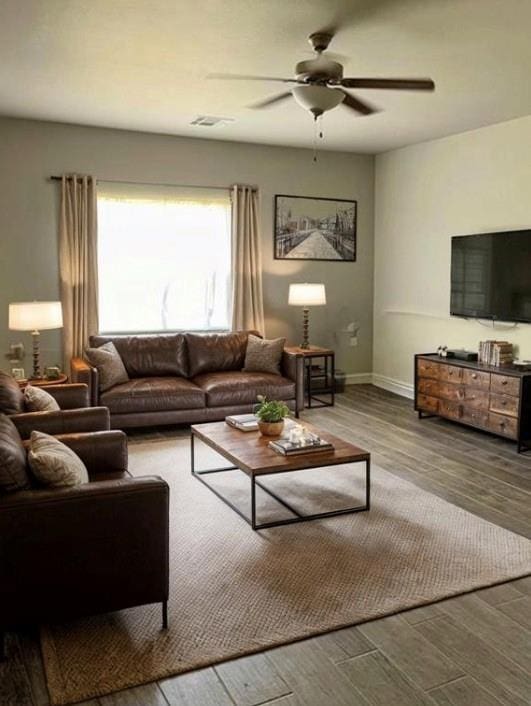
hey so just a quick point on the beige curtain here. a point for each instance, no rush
(247, 297)
(78, 263)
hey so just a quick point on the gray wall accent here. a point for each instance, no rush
(30, 151)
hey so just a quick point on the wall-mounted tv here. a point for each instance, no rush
(491, 276)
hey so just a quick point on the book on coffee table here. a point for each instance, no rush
(294, 448)
(243, 422)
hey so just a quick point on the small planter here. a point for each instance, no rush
(271, 428)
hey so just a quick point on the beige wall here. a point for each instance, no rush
(30, 151)
(475, 182)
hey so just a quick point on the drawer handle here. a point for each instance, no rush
(502, 424)
(504, 382)
(474, 376)
(504, 402)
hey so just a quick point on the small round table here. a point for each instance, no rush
(41, 382)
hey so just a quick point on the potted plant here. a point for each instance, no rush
(271, 414)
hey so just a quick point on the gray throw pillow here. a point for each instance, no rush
(11, 397)
(13, 465)
(263, 356)
(53, 464)
(38, 400)
(111, 370)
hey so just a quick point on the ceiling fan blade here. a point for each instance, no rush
(271, 101)
(244, 77)
(398, 84)
(358, 105)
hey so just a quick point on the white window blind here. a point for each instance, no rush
(164, 258)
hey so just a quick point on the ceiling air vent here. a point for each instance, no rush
(210, 121)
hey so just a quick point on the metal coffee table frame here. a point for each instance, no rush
(254, 482)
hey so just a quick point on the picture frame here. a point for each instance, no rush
(314, 228)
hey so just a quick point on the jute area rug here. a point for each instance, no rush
(234, 591)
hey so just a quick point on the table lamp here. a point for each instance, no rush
(35, 317)
(306, 295)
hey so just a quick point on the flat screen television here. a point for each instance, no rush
(491, 276)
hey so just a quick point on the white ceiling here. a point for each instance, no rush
(142, 65)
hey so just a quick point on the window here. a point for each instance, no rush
(164, 258)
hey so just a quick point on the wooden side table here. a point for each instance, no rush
(42, 382)
(326, 373)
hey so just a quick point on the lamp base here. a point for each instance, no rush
(36, 374)
(305, 328)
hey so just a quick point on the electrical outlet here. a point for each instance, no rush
(353, 341)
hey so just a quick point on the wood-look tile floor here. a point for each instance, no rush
(473, 650)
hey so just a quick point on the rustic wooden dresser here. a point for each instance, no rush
(497, 400)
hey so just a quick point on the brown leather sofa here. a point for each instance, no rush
(94, 548)
(75, 414)
(187, 378)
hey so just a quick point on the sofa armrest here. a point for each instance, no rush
(292, 367)
(65, 421)
(100, 451)
(93, 548)
(69, 396)
(81, 371)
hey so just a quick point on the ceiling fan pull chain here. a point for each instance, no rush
(315, 138)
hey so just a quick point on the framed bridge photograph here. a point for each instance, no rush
(311, 228)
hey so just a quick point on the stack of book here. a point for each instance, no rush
(496, 352)
(310, 444)
(243, 422)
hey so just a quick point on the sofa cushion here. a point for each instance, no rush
(38, 400)
(53, 464)
(153, 394)
(236, 387)
(263, 356)
(216, 351)
(107, 360)
(150, 355)
(11, 397)
(13, 467)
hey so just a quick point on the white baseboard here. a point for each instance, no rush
(404, 389)
(358, 379)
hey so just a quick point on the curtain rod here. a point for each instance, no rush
(150, 183)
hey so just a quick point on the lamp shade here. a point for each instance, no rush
(35, 316)
(307, 294)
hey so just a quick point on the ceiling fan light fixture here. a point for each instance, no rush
(317, 99)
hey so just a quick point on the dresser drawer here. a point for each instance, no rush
(428, 368)
(477, 417)
(448, 391)
(450, 373)
(504, 404)
(426, 386)
(476, 398)
(427, 403)
(500, 424)
(476, 378)
(505, 384)
(451, 410)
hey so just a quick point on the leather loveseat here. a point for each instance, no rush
(187, 378)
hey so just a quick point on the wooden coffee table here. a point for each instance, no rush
(249, 452)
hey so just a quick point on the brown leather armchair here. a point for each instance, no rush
(94, 548)
(76, 414)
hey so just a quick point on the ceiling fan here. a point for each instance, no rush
(319, 83)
